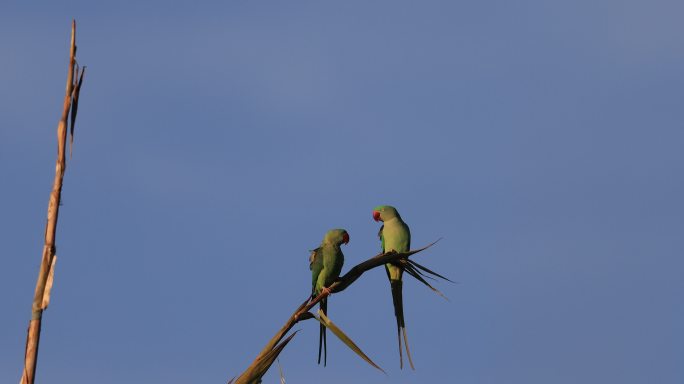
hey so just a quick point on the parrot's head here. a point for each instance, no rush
(384, 213)
(337, 237)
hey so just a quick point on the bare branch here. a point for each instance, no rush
(41, 297)
(255, 371)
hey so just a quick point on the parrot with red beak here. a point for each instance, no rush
(325, 264)
(395, 236)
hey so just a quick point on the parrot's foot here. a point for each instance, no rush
(326, 290)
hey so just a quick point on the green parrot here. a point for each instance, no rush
(395, 236)
(326, 263)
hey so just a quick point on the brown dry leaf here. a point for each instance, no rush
(74, 108)
(48, 283)
(323, 319)
(255, 375)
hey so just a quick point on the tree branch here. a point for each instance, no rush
(261, 363)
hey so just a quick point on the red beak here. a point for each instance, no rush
(376, 215)
(345, 238)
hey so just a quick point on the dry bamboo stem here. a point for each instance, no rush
(41, 297)
(253, 373)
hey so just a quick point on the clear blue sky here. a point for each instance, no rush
(217, 143)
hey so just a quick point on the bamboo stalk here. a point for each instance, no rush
(257, 369)
(41, 297)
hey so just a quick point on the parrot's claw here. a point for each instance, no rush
(326, 290)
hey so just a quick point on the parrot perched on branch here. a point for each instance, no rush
(326, 263)
(395, 236)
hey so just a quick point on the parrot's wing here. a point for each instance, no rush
(315, 258)
(316, 267)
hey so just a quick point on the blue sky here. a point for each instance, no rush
(218, 142)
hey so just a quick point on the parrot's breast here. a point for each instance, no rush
(397, 236)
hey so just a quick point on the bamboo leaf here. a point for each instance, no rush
(323, 319)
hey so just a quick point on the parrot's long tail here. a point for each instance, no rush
(322, 345)
(401, 326)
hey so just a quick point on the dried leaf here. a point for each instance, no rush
(74, 108)
(48, 283)
(417, 275)
(260, 369)
(323, 319)
(280, 370)
(429, 271)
